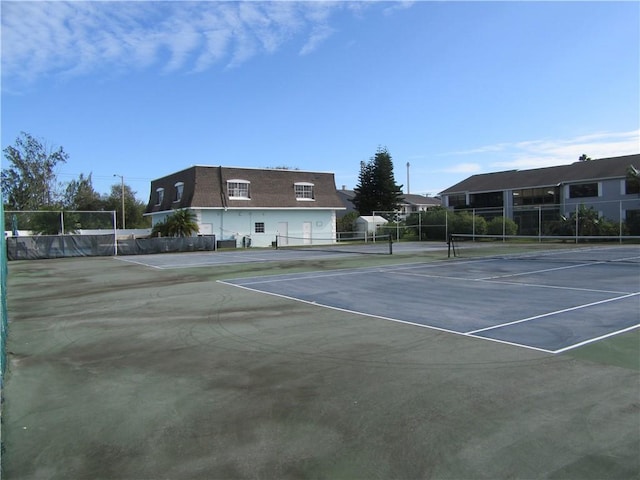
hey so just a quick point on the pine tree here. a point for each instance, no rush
(377, 190)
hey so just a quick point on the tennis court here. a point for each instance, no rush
(551, 300)
(179, 366)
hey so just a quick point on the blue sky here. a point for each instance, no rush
(144, 89)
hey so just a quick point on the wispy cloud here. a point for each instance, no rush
(73, 38)
(548, 152)
(463, 168)
(545, 153)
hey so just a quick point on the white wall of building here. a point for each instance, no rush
(238, 224)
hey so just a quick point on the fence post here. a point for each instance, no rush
(577, 222)
(539, 223)
(620, 222)
(446, 223)
(115, 235)
(473, 223)
(504, 225)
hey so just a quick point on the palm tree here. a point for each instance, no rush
(182, 223)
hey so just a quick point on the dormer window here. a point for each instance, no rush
(179, 188)
(159, 196)
(303, 190)
(238, 189)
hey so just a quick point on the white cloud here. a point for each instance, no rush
(74, 38)
(463, 168)
(547, 152)
(320, 34)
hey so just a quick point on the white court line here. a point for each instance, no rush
(126, 260)
(591, 340)
(558, 287)
(470, 334)
(540, 271)
(340, 309)
(534, 285)
(380, 317)
(473, 332)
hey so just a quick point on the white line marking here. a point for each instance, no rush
(591, 340)
(560, 287)
(126, 260)
(539, 271)
(315, 303)
(473, 332)
(380, 317)
(534, 285)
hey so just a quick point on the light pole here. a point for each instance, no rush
(122, 180)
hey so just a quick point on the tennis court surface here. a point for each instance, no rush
(550, 300)
(179, 366)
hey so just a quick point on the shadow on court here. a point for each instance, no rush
(123, 371)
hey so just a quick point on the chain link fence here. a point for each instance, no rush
(612, 220)
(44, 234)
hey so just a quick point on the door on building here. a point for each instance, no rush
(206, 229)
(283, 233)
(306, 233)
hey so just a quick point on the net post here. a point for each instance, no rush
(390, 245)
(451, 248)
(276, 242)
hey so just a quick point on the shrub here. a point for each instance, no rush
(498, 225)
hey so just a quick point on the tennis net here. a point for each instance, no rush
(547, 249)
(379, 245)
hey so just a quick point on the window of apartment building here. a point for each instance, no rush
(457, 200)
(159, 195)
(632, 220)
(304, 191)
(582, 190)
(238, 189)
(259, 227)
(488, 199)
(179, 188)
(631, 186)
(536, 196)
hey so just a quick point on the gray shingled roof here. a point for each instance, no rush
(205, 187)
(413, 199)
(615, 167)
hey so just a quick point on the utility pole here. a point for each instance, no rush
(408, 191)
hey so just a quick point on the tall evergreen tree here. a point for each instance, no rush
(377, 190)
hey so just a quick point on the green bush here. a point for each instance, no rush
(500, 225)
(467, 223)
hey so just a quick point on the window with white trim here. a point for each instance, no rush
(303, 190)
(238, 189)
(159, 195)
(179, 188)
(259, 227)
